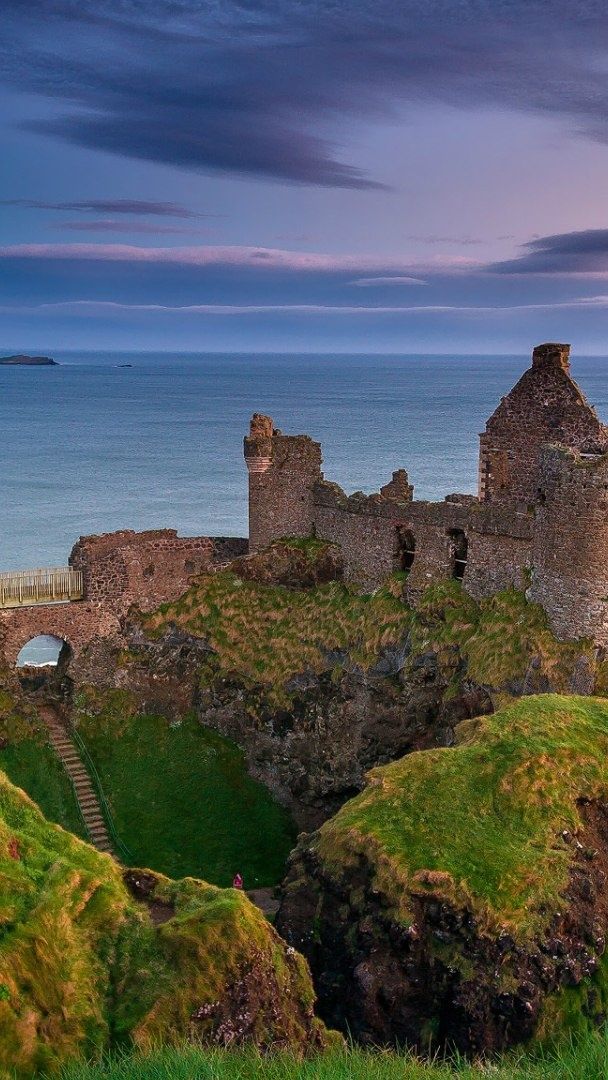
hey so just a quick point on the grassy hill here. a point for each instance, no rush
(29, 761)
(85, 966)
(180, 795)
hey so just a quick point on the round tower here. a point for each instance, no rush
(570, 553)
(283, 470)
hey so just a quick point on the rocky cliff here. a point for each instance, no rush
(460, 900)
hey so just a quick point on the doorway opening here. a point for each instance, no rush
(459, 553)
(405, 552)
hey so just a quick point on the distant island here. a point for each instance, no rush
(28, 361)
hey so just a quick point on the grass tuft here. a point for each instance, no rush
(581, 1059)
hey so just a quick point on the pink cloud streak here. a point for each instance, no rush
(242, 256)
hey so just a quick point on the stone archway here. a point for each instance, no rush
(77, 623)
(43, 661)
(44, 650)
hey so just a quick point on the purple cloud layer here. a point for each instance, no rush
(267, 88)
(575, 253)
(583, 252)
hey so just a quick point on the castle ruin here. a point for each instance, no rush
(538, 522)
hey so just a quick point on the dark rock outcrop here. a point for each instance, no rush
(21, 360)
(314, 754)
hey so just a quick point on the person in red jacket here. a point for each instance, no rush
(237, 882)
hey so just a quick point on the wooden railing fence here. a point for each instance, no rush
(24, 588)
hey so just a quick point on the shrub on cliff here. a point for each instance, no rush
(461, 898)
(88, 963)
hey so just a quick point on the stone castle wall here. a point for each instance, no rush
(77, 623)
(370, 531)
(143, 568)
(282, 472)
(570, 558)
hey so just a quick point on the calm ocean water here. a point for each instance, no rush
(90, 446)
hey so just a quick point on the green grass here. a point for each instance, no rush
(263, 634)
(484, 827)
(498, 636)
(181, 798)
(585, 1059)
(482, 820)
(84, 970)
(311, 546)
(32, 764)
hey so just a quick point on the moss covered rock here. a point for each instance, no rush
(462, 897)
(89, 960)
(295, 562)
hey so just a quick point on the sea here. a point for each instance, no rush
(110, 441)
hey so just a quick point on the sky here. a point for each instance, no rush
(303, 175)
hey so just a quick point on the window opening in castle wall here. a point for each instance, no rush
(405, 549)
(459, 553)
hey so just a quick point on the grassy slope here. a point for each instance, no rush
(499, 636)
(585, 1060)
(181, 797)
(32, 764)
(267, 633)
(82, 968)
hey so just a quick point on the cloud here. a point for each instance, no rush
(136, 207)
(575, 253)
(86, 308)
(369, 282)
(464, 241)
(110, 225)
(584, 252)
(275, 88)
(224, 255)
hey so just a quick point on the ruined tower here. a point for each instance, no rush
(283, 470)
(570, 549)
(544, 407)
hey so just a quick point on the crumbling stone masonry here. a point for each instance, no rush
(120, 570)
(541, 511)
(546, 406)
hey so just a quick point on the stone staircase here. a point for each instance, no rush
(85, 792)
